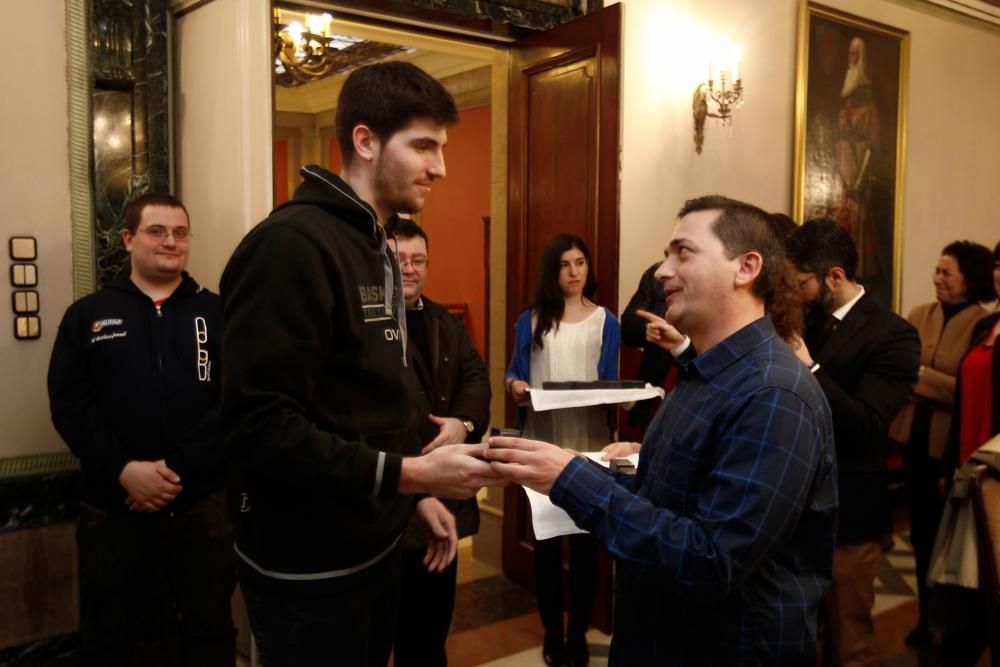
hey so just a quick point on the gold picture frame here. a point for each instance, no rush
(850, 136)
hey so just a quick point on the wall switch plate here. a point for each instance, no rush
(25, 302)
(23, 247)
(23, 275)
(27, 327)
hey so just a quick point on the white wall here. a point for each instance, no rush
(222, 87)
(952, 169)
(34, 189)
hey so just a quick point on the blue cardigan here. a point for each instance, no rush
(607, 366)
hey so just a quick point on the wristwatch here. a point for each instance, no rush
(469, 426)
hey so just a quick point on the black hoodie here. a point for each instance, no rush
(317, 401)
(130, 380)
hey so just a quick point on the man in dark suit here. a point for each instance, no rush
(455, 397)
(655, 362)
(866, 358)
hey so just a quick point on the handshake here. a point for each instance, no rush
(459, 471)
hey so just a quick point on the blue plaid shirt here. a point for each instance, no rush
(725, 536)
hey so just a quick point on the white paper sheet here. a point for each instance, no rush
(555, 399)
(550, 521)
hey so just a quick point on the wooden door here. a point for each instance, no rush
(562, 177)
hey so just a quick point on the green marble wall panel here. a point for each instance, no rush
(130, 103)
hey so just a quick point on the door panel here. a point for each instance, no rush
(559, 159)
(562, 177)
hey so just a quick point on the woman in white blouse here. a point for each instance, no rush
(565, 337)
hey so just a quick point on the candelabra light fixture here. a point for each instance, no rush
(303, 53)
(307, 49)
(725, 99)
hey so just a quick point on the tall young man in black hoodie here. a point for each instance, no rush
(134, 392)
(317, 398)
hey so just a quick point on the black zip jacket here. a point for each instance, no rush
(126, 383)
(317, 400)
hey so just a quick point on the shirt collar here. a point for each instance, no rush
(420, 304)
(841, 312)
(732, 349)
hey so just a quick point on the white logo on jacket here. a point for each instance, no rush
(97, 325)
(204, 364)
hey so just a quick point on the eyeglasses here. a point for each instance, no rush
(419, 262)
(179, 234)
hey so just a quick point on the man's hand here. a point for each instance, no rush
(620, 449)
(451, 432)
(151, 485)
(442, 537)
(801, 351)
(450, 471)
(660, 332)
(530, 463)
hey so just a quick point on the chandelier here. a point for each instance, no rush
(304, 53)
(309, 50)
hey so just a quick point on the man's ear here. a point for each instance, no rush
(835, 277)
(751, 264)
(366, 144)
(127, 240)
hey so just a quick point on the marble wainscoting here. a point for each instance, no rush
(39, 504)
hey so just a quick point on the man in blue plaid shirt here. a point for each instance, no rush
(725, 536)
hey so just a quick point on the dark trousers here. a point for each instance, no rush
(351, 622)
(549, 584)
(926, 506)
(155, 588)
(426, 603)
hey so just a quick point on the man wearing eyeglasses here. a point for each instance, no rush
(455, 404)
(865, 358)
(134, 392)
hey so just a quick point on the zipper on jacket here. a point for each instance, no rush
(159, 340)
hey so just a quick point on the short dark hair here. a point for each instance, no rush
(405, 228)
(743, 228)
(133, 213)
(386, 97)
(782, 224)
(996, 261)
(975, 261)
(549, 300)
(821, 244)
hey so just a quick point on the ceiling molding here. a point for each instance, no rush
(322, 95)
(971, 13)
(984, 11)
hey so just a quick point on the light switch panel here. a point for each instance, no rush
(23, 247)
(25, 302)
(23, 275)
(27, 327)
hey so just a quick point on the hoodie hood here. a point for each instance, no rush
(123, 283)
(322, 188)
(326, 190)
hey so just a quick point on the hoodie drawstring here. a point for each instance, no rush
(393, 289)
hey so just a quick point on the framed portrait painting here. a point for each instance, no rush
(850, 137)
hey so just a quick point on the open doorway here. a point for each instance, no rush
(464, 216)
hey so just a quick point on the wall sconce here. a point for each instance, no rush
(725, 99)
